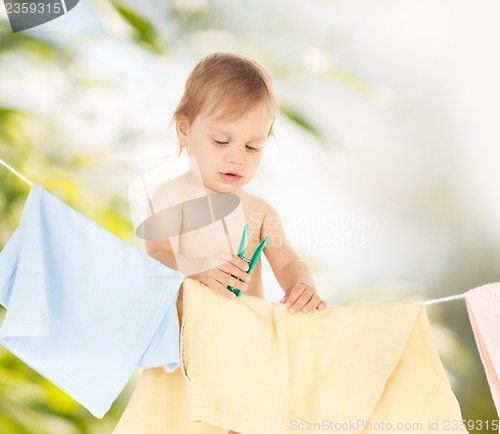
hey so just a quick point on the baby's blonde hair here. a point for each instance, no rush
(230, 82)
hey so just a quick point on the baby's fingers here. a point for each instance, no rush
(240, 264)
(236, 267)
(299, 296)
(294, 294)
(301, 303)
(220, 285)
(228, 279)
(312, 304)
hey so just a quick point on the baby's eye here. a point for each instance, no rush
(220, 142)
(252, 149)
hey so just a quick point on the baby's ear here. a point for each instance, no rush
(182, 128)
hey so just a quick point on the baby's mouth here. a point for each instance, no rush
(230, 176)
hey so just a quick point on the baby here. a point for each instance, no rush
(224, 121)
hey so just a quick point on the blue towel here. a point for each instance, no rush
(84, 308)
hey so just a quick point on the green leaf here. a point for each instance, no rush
(301, 121)
(145, 31)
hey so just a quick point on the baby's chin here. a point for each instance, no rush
(223, 188)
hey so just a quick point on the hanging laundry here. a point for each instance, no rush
(483, 307)
(84, 308)
(252, 367)
(159, 404)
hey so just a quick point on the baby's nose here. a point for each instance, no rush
(236, 158)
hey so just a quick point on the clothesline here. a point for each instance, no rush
(444, 299)
(426, 303)
(15, 172)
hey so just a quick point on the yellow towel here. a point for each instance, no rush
(252, 367)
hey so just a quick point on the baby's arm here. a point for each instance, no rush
(292, 273)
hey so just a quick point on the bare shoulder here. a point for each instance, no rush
(254, 202)
(256, 207)
(176, 190)
(163, 189)
(167, 185)
(259, 212)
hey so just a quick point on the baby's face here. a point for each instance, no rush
(228, 153)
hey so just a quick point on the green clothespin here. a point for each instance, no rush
(250, 261)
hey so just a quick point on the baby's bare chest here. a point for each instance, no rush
(222, 232)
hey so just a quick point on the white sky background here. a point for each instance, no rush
(437, 57)
(355, 210)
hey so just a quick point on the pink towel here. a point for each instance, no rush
(483, 306)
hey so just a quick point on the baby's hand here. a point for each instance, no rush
(302, 297)
(220, 277)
